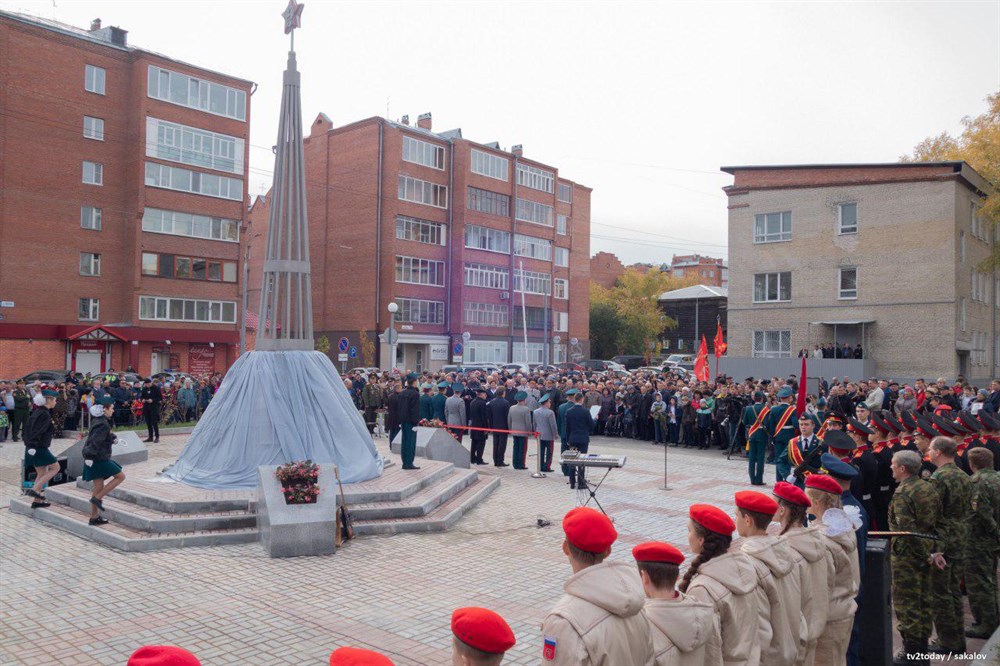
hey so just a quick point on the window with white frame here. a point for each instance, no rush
(485, 351)
(412, 270)
(561, 288)
(93, 128)
(487, 164)
(93, 79)
(484, 238)
(89, 309)
(161, 308)
(491, 203)
(565, 193)
(421, 231)
(980, 287)
(979, 227)
(196, 147)
(559, 353)
(93, 173)
(529, 246)
(494, 315)
(772, 287)
(489, 277)
(562, 222)
(422, 192)
(562, 322)
(195, 93)
(90, 218)
(185, 180)
(90, 264)
(531, 282)
(961, 246)
(562, 256)
(847, 218)
(534, 212)
(535, 352)
(772, 344)
(423, 152)
(848, 283)
(535, 319)
(188, 268)
(772, 227)
(418, 311)
(176, 223)
(535, 178)
(962, 313)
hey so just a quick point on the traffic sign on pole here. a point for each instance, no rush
(353, 352)
(342, 358)
(458, 349)
(343, 345)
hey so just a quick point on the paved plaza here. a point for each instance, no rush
(64, 600)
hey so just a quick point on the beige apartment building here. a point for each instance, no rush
(884, 255)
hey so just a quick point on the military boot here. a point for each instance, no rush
(978, 631)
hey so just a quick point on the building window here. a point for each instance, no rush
(562, 256)
(562, 322)
(487, 164)
(411, 270)
(184, 180)
(193, 146)
(492, 315)
(534, 212)
(532, 283)
(93, 173)
(416, 311)
(90, 217)
(561, 288)
(980, 287)
(535, 178)
(847, 218)
(492, 203)
(768, 287)
(489, 277)
(538, 318)
(422, 192)
(89, 309)
(422, 231)
(961, 247)
(484, 238)
(535, 352)
(195, 93)
(188, 268)
(772, 344)
(93, 79)
(187, 224)
(529, 246)
(423, 152)
(848, 283)
(90, 264)
(963, 312)
(93, 128)
(565, 193)
(485, 351)
(559, 353)
(772, 227)
(184, 309)
(562, 222)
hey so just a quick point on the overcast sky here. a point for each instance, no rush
(641, 101)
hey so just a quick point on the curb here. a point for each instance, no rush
(990, 651)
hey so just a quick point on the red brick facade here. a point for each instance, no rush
(605, 269)
(709, 271)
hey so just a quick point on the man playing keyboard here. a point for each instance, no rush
(579, 425)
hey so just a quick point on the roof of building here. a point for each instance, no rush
(694, 291)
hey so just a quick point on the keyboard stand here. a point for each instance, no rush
(592, 488)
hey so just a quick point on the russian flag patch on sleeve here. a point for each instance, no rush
(549, 649)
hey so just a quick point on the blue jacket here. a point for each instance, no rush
(579, 425)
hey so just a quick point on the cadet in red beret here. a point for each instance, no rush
(823, 482)
(480, 637)
(603, 598)
(162, 655)
(684, 630)
(725, 579)
(352, 656)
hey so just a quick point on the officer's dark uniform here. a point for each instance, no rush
(497, 409)
(478, 418)
(408, 406)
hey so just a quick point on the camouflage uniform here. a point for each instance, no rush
(915, 507)
(371, 400)
(955, 489)
(984, 543)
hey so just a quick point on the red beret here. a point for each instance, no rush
(751, 500)
(589, 530)
(162, 655)
(657, 551)
(790, 493)
(824, 482)
(712, 518)
(482, 629)
(349, 656)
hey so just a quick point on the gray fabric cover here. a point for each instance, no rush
(275, 407)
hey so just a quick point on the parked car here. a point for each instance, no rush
(173, 377)
(570, 367)
(538, 367)
(516, 367)
(681, 359)
(448, 369)
(595, 364)
(630, 362)
(482, 367)
(46, 376)
(366, 371)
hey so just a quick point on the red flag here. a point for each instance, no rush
(701, 362)
(719, 343)
(800, 405)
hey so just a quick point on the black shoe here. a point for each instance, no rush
(410, 467)
(148, 440)
(978, 631)
(501, 465)
(31, 492)
(481, 462)
(547, 470)
(937, 648)
(98, 503)
(156, 441)
(40, 505)
(98, 521)
(15, 439)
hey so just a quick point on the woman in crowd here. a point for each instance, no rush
(186, 402)
(60, 411)
(658, 412)
(97, 463)
(37, 440)
(673, 419)
(607, 408)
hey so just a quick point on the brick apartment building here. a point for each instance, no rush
(709, 271)
(122, 194)
(605, 269)
(884, 255)
(450, 230)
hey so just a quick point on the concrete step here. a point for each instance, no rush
(121, 537)
(420, 503)
(167, 505)
(438, 520)
(150, 520)
(396, 484)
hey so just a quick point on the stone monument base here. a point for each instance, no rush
(295, 530)
(129, 449)
(436, 444)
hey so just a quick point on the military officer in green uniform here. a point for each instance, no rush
(780, 425)
(914, 507)
(753, 418)
(426, 402)
(22, 406)
(438, 401)
(409, 414)
(372, 399)
(954, 487)
(984, 544)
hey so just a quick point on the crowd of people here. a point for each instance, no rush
(832, 350)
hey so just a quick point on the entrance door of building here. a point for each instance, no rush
(88, 361)
(963, 363)
(159, 362)
(419, 365)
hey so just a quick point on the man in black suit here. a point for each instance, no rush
(479, 417)
(579, 425)
(497, 409)
(151, 397)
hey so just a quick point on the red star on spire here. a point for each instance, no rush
(292, 16)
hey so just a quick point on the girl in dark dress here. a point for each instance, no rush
(37, 439)
(97, 463)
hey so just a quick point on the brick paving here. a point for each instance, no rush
(68, 601)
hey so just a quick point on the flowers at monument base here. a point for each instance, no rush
(299, 481)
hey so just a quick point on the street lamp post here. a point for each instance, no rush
(393, 308)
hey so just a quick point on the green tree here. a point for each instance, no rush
(979, 146)
(323, 344)
(367, 348)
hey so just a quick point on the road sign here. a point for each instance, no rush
(353, 352)
(342, 358)
(458, 349)
(456, 359)
(390, 336)
(6, 304)
(343, 345)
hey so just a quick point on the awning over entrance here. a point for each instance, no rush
(97, 332)
(843, 322)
